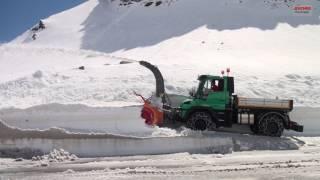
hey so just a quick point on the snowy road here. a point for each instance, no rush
(246, 163)
(294, 164)
(119, 120)
(126, 134)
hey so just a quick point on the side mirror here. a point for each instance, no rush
(192, 92)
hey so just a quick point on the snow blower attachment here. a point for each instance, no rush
(153, 115)
(213, 104)
(152, 110)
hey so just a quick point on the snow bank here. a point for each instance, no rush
(31, 76)
(79, 118)
(28, 143)
(52, 133)
(121, 120)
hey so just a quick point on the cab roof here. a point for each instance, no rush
(202, 77)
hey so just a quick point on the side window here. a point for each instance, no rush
(210, 86)
(217, 85)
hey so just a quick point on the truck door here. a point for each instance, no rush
(215, 92)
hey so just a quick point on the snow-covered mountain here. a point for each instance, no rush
(272, 50)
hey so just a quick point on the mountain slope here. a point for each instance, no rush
(230, 33)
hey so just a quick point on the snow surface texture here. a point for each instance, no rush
(280, 165)
(121, 120)
(56, 155)
(27, 143)
(52, 76)
(271, 51)
(89, 132)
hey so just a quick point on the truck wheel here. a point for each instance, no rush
(271, 125)
(201, 121)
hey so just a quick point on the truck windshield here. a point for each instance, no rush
(206, 88)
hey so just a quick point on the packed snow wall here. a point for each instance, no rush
(28, 143)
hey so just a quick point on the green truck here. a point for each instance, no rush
(213, 104)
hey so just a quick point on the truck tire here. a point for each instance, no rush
(201, 120)
(271, 124)
(254, 129)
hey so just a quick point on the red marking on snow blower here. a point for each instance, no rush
(151, 114)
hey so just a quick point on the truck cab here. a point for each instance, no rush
(213, 95)
(215, 91)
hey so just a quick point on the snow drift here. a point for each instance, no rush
(28, 143)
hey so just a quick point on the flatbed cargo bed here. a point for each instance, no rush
(260, 103)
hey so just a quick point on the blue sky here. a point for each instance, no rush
(16, 16)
